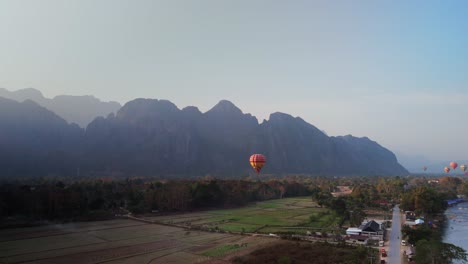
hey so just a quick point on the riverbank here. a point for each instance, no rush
(456, 226)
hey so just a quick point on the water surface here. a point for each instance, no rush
(456, 231)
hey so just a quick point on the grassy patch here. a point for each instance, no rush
(286, 212)
(238, 227)
(269, 205)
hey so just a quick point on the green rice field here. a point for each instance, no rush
(261, 217)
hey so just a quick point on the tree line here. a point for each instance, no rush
(94, 199)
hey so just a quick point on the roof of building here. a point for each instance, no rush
(341, 190)
(370, 226)
(411, 251)
(419, 221)
(353, 229)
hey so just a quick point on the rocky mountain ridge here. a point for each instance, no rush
(155, 138)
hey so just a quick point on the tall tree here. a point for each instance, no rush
(435, 252)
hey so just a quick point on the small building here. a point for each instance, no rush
(353, 231)
(419, 221)
(410, 216)
(341, 191)
(371, 226)
(410, 253)
(370, 229)
(373, 230)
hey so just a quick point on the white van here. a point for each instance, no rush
(381, 243)
(403, 243)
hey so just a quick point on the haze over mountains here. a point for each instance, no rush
(154, 137)
(75, 109)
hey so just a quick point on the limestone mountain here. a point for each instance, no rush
(74, 109)
(155, 138)
(366, 154)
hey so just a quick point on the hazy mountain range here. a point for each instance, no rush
(154, 137)
(75, 109)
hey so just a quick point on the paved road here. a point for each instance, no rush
(394, 251)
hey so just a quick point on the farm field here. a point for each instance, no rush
(262, 217)
(118, 241)
(129, 241)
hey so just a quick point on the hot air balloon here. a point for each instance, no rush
(453, 164)
(447, 169)
(463, 167)
(424, 168)
(257, 161)
(466, 173)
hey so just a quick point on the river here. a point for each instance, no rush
(456, 231)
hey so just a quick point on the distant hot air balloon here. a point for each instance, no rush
(424, 168)
(453, 164)
(463, 167)
(257, 161)
(466, 173)
(447, 169)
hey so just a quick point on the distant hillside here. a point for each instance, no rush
(415, 164)
(75, 109)
(438, 168)
(154, 137)
(36, 142)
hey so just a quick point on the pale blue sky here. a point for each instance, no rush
(394, 71)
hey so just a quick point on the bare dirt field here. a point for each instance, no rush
(118, 241)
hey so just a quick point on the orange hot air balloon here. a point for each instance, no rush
(463, 167)
(257, 161)
(453, 164)
(447, 169)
